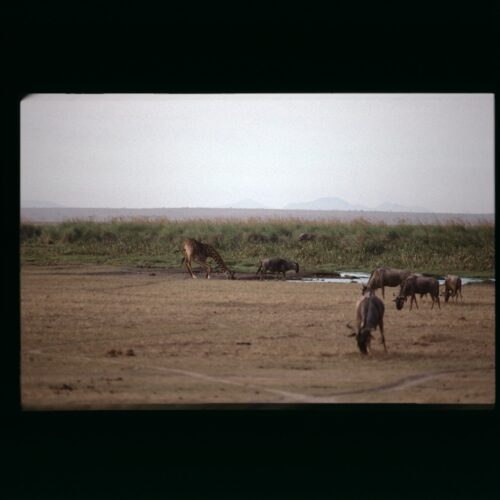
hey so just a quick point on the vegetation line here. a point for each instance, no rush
(358, 245)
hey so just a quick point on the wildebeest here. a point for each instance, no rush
(369, 315)
(306, 237)
(452, 287)
(384, 276)
(417, 284)
(277, 265)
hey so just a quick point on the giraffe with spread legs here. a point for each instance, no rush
(197, 251)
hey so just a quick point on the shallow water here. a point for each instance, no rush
(355, 277)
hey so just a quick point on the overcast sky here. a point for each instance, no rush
(146, 151)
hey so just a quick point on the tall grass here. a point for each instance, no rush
(451, 247)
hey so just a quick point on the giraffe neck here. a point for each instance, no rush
(211, 252)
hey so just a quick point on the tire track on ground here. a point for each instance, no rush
(286, 395)
(118, 287)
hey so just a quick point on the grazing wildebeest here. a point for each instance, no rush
(417, 284)
(306, 237)
(277, 265)
(452, 287)
(384, 276)
(194, 250)
(369, 316)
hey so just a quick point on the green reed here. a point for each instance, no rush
(357, 245)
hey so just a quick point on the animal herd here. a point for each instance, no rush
(369, 308)
(194, 250)
(369, 317)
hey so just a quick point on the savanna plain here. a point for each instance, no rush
(106, 324)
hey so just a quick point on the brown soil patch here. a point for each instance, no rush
(102, 337)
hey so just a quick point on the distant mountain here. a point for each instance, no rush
(246, 203)
(331, 203)
(335, 203)
(39, 204)
(394, 207)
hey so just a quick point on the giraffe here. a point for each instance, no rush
(200, 252)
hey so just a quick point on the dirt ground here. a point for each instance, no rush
(96, 337)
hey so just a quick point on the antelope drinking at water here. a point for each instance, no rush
(277, 265)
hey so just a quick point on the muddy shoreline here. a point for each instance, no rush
(78, 269)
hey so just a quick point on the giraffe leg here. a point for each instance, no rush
(206, 266)
(188, 267)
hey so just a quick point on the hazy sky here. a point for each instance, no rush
(143, 151)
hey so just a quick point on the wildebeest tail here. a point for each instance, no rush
(369, 282)
(260, 267)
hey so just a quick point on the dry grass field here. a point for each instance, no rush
(98, 337)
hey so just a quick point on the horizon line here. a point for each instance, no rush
(428, 212)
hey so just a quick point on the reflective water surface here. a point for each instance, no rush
(356, 277)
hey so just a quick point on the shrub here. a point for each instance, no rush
(29, 231)
(354, 245)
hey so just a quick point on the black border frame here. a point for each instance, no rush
(355, 450)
